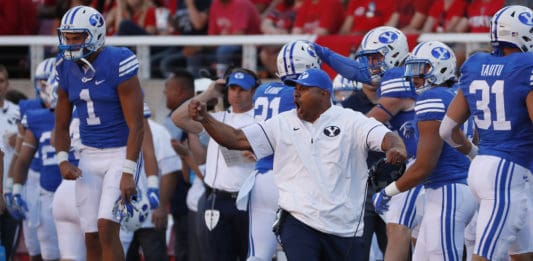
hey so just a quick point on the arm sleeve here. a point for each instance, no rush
(258, 139)
(345, 66)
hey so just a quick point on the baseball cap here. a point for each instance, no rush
(241, 79)
(314, 77)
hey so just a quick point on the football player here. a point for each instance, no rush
(101, 81)
(496, 89)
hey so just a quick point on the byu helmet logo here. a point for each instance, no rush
(332, 131)
(96, 20)
(387, 37)
(526, 18)
(304, 75)
(441, 53)
(239, 75)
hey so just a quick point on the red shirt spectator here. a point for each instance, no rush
(19, 17)
(444, 16)
(280, 19)
(141, 13)
(480, 12)
(364, 15)
(319, 17)
(405, 10)
(233, 17)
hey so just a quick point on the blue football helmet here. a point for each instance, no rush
(512, 25)
(387, 42)
(433, 61)
(295, 58)
(132, 214)
(86, 20)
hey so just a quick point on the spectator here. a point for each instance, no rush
(320, 17)
(362, 16)
(478, 15)
(231, 17)
(188, 17)
(278, 20)
(409, 16)
(18, 17)
(444, 16)
(131, 17)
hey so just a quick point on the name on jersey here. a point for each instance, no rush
(273, 90)
(491, 69)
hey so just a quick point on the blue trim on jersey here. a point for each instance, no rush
(447, 229)
(24, 107)
(408, 213)
(500, 209)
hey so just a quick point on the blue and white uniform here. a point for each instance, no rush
(41, 123)
(450, 203)
(270, 99)
(103, 129)
(495, 88)
(31, 187)
(405, 208)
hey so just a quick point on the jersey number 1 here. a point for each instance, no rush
(485, 105)
(92, 119)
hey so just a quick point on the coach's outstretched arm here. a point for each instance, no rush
(223, 134)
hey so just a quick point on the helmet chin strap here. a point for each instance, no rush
(88, 69)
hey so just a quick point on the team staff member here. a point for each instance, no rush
(225, 171)
(319, 169)
(101, 81)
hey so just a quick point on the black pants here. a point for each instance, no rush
(9, 233)
(229, 238)
(152, 242)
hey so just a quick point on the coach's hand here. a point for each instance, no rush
(69, 171)
(381, 202)
(197, 110)
(160, 218)
(127, 187)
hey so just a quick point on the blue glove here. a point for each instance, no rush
(19, 207)
(152, 192)
(345, 66)
(381, 202)
(8, 198)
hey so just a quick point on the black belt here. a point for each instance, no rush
(220, 193)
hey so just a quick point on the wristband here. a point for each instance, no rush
(152, 181)
(61, 156)
(129, 167)
(8, 185)
(392, 189)
(17, 188)
(473, 151)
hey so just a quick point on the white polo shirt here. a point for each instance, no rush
(218, 174)
(320, 168)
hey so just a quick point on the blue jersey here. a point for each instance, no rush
(452, 166)
(24, 107)
(271, 99)
(495, 88)
(394, 85)
(41, 123)
(102, 123)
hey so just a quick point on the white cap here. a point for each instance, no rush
(201, 85)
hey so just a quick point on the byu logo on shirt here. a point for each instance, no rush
(387, 37)
(332, 131)
(441, 53)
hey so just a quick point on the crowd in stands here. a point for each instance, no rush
(238, 17)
